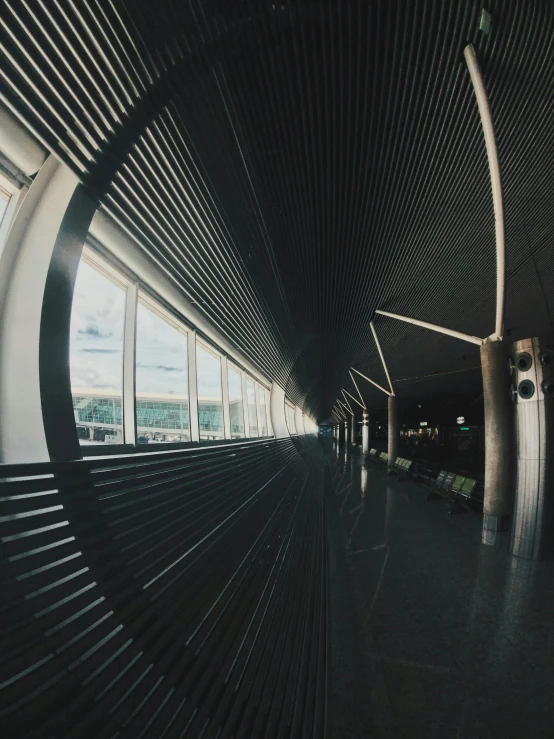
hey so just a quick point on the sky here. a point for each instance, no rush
(96, 335)
(96, 344)
(161, 355)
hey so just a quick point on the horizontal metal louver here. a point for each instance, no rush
(165, 595)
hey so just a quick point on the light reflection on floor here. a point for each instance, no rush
(432, 633)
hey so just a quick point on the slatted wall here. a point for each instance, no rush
(171, 594)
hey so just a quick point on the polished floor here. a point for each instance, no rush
(432, 633)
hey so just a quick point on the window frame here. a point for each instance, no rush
(163, 314)
(232, 366)
(249, 378)
(218, 355)
(15, 190)
(104, 268)
(290, 418)
(99, 258)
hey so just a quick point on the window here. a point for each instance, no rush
(8, 190)
(96, 353)
(162, 403)
(252, 410)
(236, 408)
(268, 411)
(210, 398)
(161, 345)
(4, 202)
(263, 410)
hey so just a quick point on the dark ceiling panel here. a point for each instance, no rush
(293, 166)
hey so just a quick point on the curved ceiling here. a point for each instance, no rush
(294, 166)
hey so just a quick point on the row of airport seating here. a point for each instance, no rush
(451, 482)
(447, 482)
(400, 464)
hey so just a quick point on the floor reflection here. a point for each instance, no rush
(433, 634)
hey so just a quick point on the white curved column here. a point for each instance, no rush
(23, 272)
(298, 421)
(277, 412)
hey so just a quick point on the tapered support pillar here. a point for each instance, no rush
(533, 524)
(346, 433)
(498, 497)
(365, 433)
(353, 430)
(394, 430)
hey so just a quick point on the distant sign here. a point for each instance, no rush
(460, 420)
(423, 423)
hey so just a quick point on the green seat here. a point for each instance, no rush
(468, 486)
(458, 483)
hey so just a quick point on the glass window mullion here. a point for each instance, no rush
(193, 388)
(258, 411)
(245, 406)
(129, 372)
(225, 392)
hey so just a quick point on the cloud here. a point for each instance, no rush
(160, 367)
(92, 330)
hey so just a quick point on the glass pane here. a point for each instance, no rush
(252, 414)
(161, 379)
(263, 412)
(236, 410)
(4, 202)
(210, 399)
(268, 411)
(96, 356)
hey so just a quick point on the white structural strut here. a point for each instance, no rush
(381, 355)
(433, 327)
(358, 389)
(345, 407)
(496, 184)
(346, 401)
(355, 399)
(339, 409)
(387, 392)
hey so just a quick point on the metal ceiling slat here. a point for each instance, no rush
(318, 160)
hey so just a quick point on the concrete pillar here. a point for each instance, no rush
(394, 429)
(340, 432)
(533, 525)
(353, 430)
(346, 433)
(498, 497)
(365, 433)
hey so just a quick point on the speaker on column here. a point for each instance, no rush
(532, 369)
